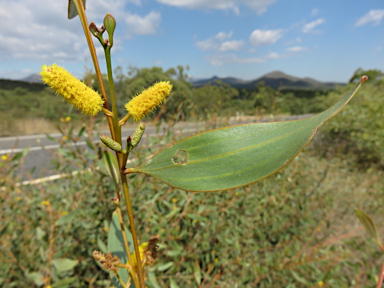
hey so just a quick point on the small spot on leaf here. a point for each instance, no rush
(181, 157)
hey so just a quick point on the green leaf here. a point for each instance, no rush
(112, 166)
(298, 278)
(20, 154)
(72, 11)
(90, 144)
(50, 137)
(64, 264)
(197, 272)
(152, 279)
(369, 225)
(235, 156)
(165, 266)
(36, 277)
(116, 247)
(67, 218)
(173, 283)
(102, 245)
(81, 132)
(63, 283)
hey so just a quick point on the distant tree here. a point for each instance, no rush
(265, 98)
(372, 74)
(213, 99)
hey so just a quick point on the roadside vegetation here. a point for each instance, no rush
(21, 102)
(294, 229)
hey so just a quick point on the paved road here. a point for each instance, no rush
(40, 147)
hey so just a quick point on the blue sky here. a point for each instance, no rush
(326, 40)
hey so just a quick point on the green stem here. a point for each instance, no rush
(115, 117)
(92, 50)
(133, 229)
(118, 209)
(121, 280)
(126, 117)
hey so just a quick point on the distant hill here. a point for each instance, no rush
(275, 80)
(34, 78)
(7, 84)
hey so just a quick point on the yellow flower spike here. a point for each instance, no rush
(73, 90)
(148, 100)
(45, 203)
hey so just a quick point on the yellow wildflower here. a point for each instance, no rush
(73, 90)
(67, 119)
(18, 198)
(64, 213)
(45, 203)
(4, 157)
(321, 283)
(148, 100)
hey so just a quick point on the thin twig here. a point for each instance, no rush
(381, 277)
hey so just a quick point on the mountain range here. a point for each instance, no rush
(275, 80)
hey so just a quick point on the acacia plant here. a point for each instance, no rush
(219, 159)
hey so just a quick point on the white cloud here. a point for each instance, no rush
(373, 16)
(297, 49)
(314, 11)
(265, 37)
(38, 30)
(218, 43)
(273, 55)
(260, 6)
(146, 25)
(220, 60)
(308, 28)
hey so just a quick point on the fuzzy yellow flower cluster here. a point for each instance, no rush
(73, 90)
(148, 100)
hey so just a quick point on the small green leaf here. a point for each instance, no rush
(72, 11)
(369, 225)
(36, 277)
(81, 132)
(63, 283)
(197, 272)
(64, 264)
(50, 137)
(152, 279)
(165, 266)
(235, 156)
(90, 144)
(116, 247)
(299, 279)
(40, 233)
(22, 153)
(67, 218)
(173, 283)
(112, 166)
(102, 245)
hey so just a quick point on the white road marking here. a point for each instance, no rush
(55, 146)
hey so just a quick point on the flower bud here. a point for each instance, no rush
(138, 134)
(110, 143)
